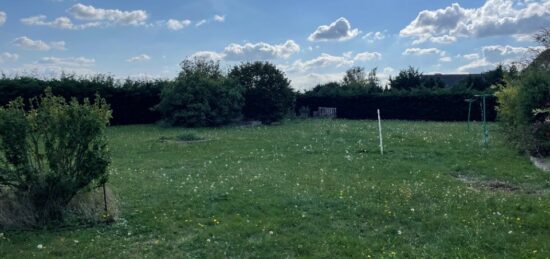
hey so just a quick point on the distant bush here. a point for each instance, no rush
(201, 96)
(52, 149)
(268, 95)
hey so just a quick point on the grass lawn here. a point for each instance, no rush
(314, 188)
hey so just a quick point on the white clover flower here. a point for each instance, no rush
(40, 246)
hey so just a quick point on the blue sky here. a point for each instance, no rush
(311, 41)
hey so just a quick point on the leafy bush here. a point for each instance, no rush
(268, 96)
(521, 109)
(52, 150)
(201, 96)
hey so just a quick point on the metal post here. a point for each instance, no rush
(380, 133)
(485, 131)
(469, 111)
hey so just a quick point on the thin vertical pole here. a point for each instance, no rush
(485, 132)
(105, 197)
(380, 133)
(469, 111)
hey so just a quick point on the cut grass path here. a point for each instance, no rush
(315, 188)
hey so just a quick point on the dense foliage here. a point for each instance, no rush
(523, 105)
(130, 100)
(201, 95)
(419, 105)
(268, 95)
(52, 149)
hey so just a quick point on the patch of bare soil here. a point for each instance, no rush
(489, 185)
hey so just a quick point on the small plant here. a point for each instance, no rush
(52, 149)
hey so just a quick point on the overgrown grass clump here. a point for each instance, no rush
(313, 188)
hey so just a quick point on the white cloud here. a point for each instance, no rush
(371, 37)
(445, 39)
(321, 61)
(472, 56)
(368, 56)
(90, 13)
(422, 52)
(495, 17)
(496, 53)
(200, 23)
(208, 55)
(60, 23)
(94, 17)
(7, 56)
(493, 55)
(3, 18)
(30, 44)
(67, 62)
(303, 82)
(219, 18)
(177, 25)
(477, 65)
(140, 58)
(338, 30)
(445, 59)
(253, 51)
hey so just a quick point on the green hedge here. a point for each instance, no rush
(402, 106)
(130, 101)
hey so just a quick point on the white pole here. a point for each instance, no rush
(380, 133)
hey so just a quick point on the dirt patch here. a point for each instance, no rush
(498, 186)
(489, 185)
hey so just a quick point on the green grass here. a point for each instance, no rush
(316, 188)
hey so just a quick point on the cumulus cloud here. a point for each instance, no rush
(201, 23)
(92, 17)
(260, 51)
(140, 58)
(321, 61)
(368, 56)
(252, 51)
(472, 56)
(177, 25)
(497, 52)
(339, 30)
(59, 23)
(445, 59)
(30, 44)
(307, 81)
(91, 13)
(212, 55)
(371, 37)
(219, 18)
(7, 56)
(495, 17)
(423, 52)
(493, 55)
(477, 65)
(3, 18)
(69, 62)
(326, 60)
